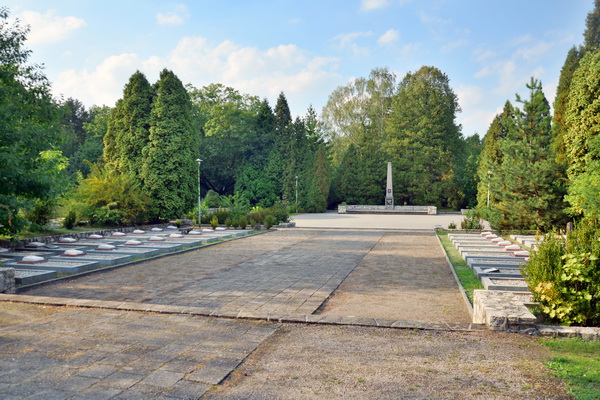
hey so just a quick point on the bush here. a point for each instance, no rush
(242, 222)
(269, 221)
(41, 212)
(564, 276)
(70, 219)
(228, 222)
(222, 215)
(471, 220)
(451, 225)
(214, 222)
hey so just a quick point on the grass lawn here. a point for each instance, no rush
(467, 278)
(577, 362)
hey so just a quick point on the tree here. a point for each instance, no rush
(562, 99)
(466, 176)
(357, 109)
(423, 138)
(91, 149)
(528, 180)
(490, 160)
(320, 182)
(29, 127)
(169, 169)
(583, 135)
(228, 135)
(592, 29)
(128, 127)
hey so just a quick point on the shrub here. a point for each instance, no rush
(471, 220)
(564, 276)
(242, 222)
(451, 225)
(228, 222)
(222, 214)
(70, 219)
(269, 221)
(214, 222)
(41, 212)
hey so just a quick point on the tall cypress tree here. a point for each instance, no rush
(582, 139)
(129, 127)
(169, 170)
(562, 99)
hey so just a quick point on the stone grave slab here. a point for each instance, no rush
(162, 247)
(493, 272)
(31, 276)
(102, 259)
(135, 252)
(506, 284)
(483, 249)
(508, 262)
(69, 267)
(17, 255)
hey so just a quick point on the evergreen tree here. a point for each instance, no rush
(129, 127)
(320, 182)
(92, 148)
(423, 138)
(529, 179)
(491, 159)
(583, 135)
(592, 29)
(562, 99)
(169, 170)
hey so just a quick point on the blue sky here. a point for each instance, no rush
(488, 49)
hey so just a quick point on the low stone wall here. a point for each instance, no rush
(7, 280)
(365, 209)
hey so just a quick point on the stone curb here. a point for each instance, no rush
(203, 312)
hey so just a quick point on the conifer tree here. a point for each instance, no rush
(562, 99)
(529, 179)
(582, 139)
(320, 182)
(423, 138)
(169, 170)
(592, 29)
(129, 127)
(490, 161)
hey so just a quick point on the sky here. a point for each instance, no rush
(304, 48)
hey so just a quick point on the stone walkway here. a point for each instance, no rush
(144, 331)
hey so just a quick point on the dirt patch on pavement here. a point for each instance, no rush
(406, 277)
(19, 313)
(324, 362)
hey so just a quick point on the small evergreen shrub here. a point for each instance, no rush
(564, 276)
(471, 220)
(214, 222)
(228, 222)
(70, 219)
(242, 222)
(451, 225)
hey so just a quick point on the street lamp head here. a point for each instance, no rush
(198, 160)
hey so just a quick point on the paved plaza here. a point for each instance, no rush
(205, 322)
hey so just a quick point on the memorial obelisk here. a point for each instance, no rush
(389, 191)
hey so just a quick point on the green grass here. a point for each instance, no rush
(467, 278)
(577, 362)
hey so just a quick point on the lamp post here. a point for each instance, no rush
(296, 194)
(199, 161)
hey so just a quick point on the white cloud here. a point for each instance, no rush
(176, 17)
(265, 73)
(347, 41)
(49, 27)
(390, 37)
(367, 5)
(450, 47)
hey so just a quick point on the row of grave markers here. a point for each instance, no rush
(496, 262)
(37, 262)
